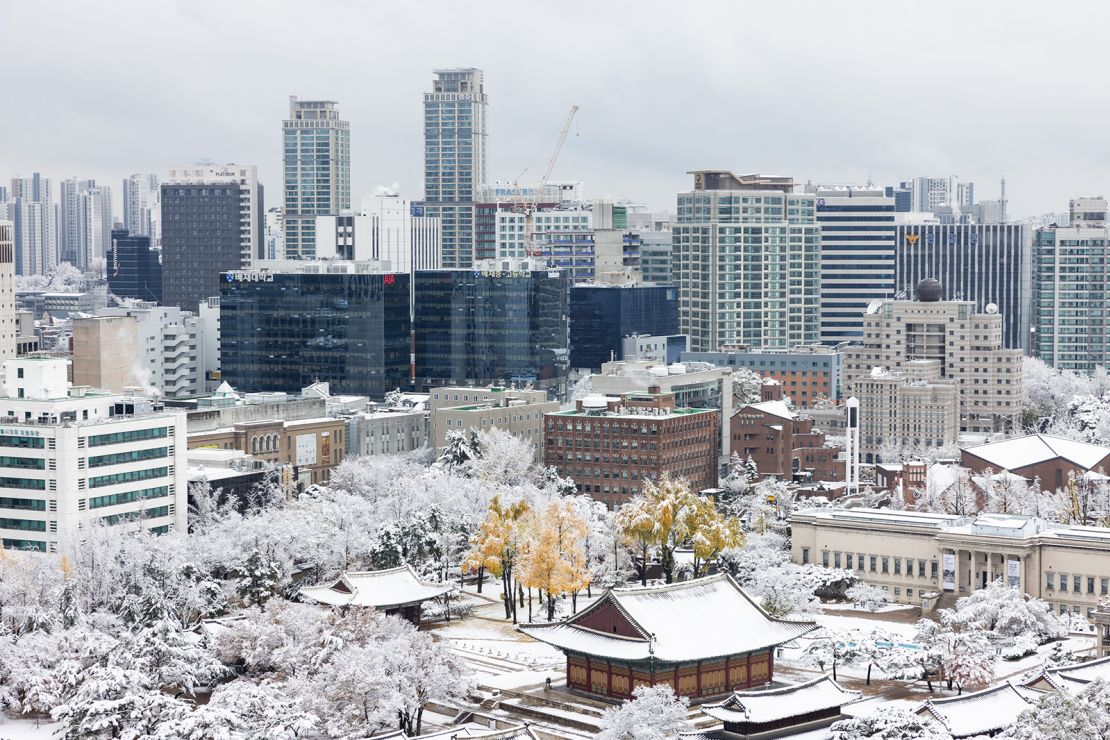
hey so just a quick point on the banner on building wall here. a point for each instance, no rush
(306, 449)
(949, 575)
(1013, 573)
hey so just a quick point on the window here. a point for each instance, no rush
(920, 568)
(1104, 586)
(114, 438)
(1077, 584)
(825, 558)
(909, 567)
(1063, 582)
(133, 475)
(873, 561)
(897, 591)
(1050, 584)
(886, 565)
(97, 502)
(897, 566)
(1090, 585)
(97, 461)
(805, 553)
(836, 559)
(848, 561)
(933, 569)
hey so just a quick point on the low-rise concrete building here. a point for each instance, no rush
(387, 431)
(807, 372)
(917, 556)
(462, 408)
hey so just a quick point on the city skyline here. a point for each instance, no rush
(874, 114)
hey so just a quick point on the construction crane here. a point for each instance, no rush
(531, 249)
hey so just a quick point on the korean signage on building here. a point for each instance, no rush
(948, 580)
(249, 276)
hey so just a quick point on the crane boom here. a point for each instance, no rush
(530, 208)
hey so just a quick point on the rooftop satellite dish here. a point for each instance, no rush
(992, 308)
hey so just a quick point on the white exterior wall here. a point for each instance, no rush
(8, 329)
(390, 432)
(208, 343)
(169, 348)
(246, 176)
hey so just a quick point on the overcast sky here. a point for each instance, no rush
(832, 92)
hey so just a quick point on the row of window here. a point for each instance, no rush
(99, 440)
(1079, 584)
(127, 497)
(28, 443)
(155, 513)
(117, 458)
(130, 476)
(865, 563)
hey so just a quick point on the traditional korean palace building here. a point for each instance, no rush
(983, 713)
(778, 711)
(705, 638)
(1071, 678)
(394, 591)
(917, 555)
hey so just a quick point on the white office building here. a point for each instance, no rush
(74, 456)
(857, 257)
(388, 228)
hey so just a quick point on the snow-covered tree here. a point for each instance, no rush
(760, 551)
(1064, 716)
(745, 387)
(258, 579)
(1009, 612)
(459, 449)
(654, 713)
(830, 649)
(888, 724)
(502, 457)
(963, 652)
(866, 596)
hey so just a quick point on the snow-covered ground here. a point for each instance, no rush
(27, 729)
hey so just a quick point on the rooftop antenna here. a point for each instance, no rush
(1002, 202)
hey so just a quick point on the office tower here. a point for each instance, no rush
(211, 223)
(455, 157)
(967, 344)
(857, 257)
(1072, 289)
(746, 259)
(141, 205)
(601, 316)
(133, 267)
(8, 328)
(89, 457)
(387, 228)
(491, 326)
(34, 216)
(316, 164)
(334, 322)
(982, 263)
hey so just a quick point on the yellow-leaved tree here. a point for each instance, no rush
(556, 561)
(496, 547)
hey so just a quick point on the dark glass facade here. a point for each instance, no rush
(478, 327)
(133, 268)
(202, 237)
(602, 315)
(284, 331)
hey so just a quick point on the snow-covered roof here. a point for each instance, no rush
(381, 589)
(870, 517)
(516, 732)
(692, 620)
(1074, 678)
(1035, 448)
(784, 702)
(775, 408)
(982, 712)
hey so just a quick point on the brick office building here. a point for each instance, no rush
(782, 443)
(612, 446)
(1051, 460)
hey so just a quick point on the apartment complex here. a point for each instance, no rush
(8, 326)
(968, 345)
(316, 170)
(73, 456)
(746, 259)
(917, 556)
(613, 446)
(1072, 294)
(456, 158)
(517, 411)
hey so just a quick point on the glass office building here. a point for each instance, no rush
(133, 267)
(283, 331)
(316, 166)
(602, 315)
(480, 327)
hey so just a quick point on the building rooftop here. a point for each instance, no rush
(1036, 448)
(783, 702)
(981, 713)
(693, 620)
(884, 516)
(381, 589)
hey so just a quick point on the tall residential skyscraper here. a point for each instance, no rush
(456, 157)
(7, 290)
(34, 216)
(983, 263)
(1072, 289)
(857, 257)
(211, 222)
(746, 259)
(140, 205)
(316, 163)
(85, 222)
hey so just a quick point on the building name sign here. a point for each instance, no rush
(245, 276)
(502, 273)
(19, 432)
